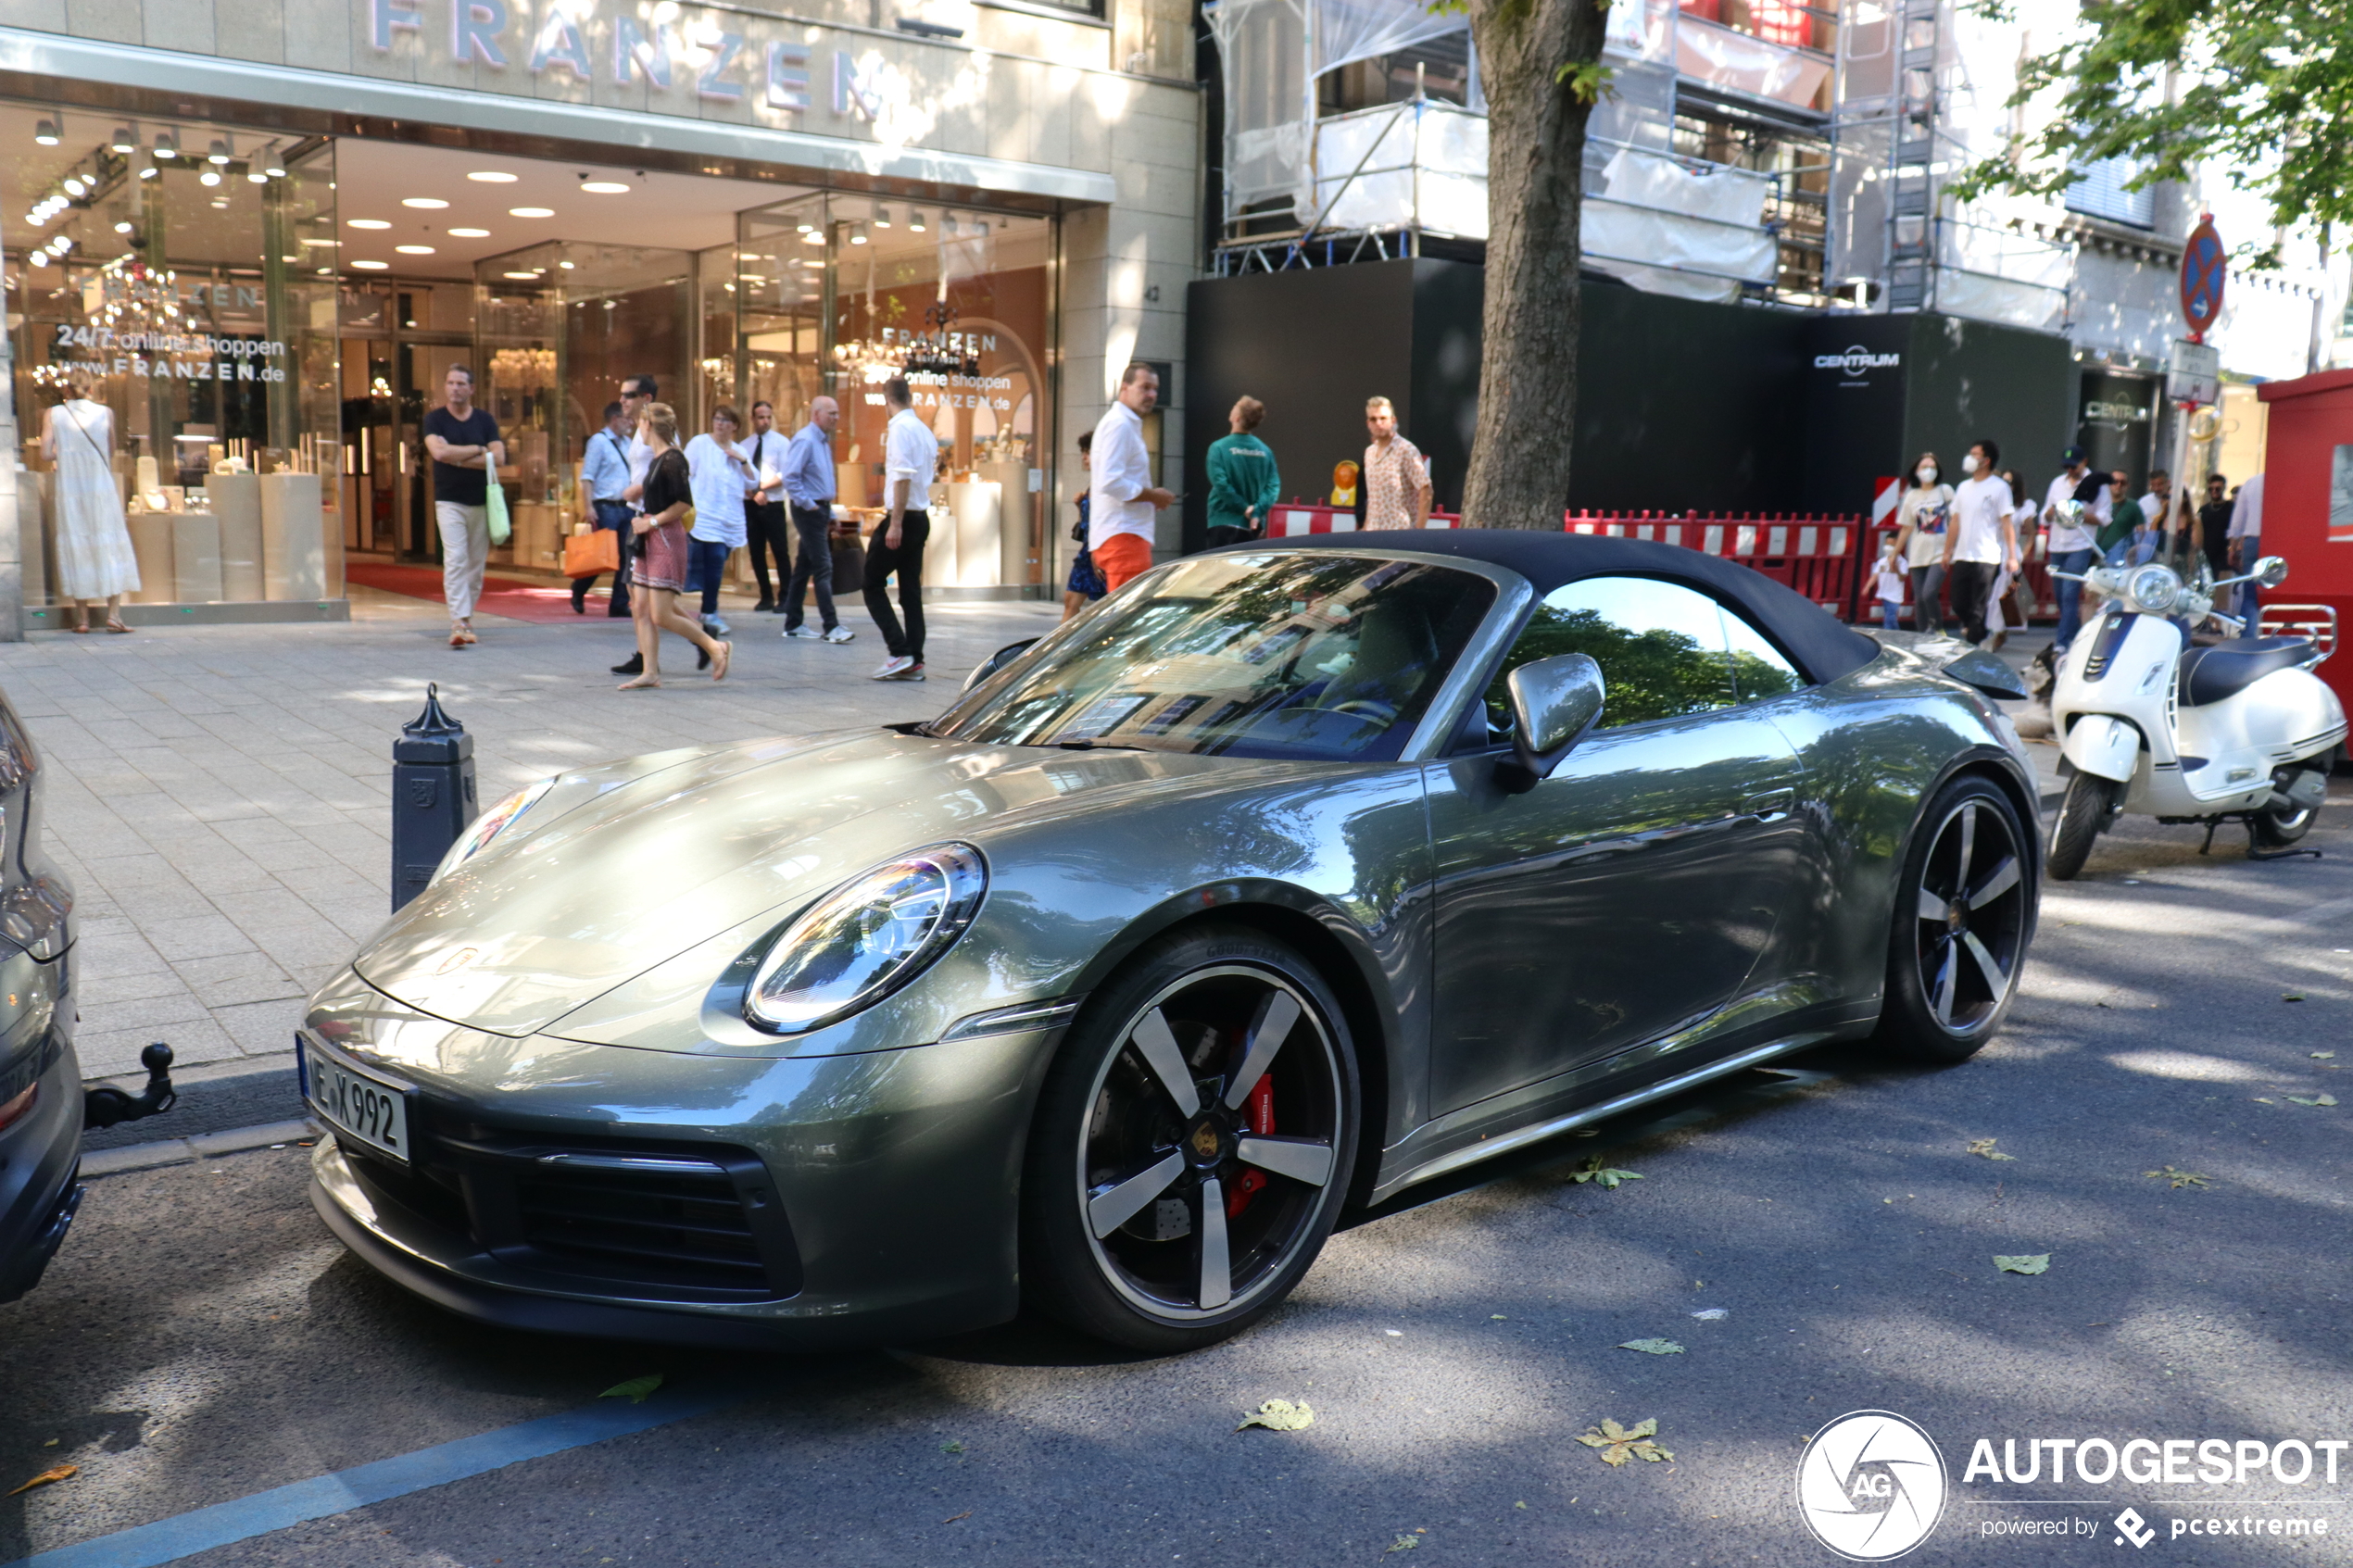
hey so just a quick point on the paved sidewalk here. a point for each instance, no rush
(221, 796)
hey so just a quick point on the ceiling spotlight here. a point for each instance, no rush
(519, 277)
(167, 144)
(369, 266)
(123, 227)
(47, 133)
(62, 243)
(366, 223)
(414, 250)
(469, 233)
(256, 177)
(274, 163)
(125, 140)
(604, 187)
(858, 232)
(425, 204)
(531, 212)
(40, 259)
(565, 265)
(915, 219)
(221, 152)
(210, 177)
(493, 177)
(73, 184)
(308, 241)
(150, 172)
(882, 217)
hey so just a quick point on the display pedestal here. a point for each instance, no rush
(236, 506)
(151, 542)
(195, 558)
(977, 507)
(293, 549)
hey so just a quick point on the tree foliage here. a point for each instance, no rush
(2263, 88)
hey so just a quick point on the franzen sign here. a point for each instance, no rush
(701, 56)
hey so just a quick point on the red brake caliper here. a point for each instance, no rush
(1262, 1122)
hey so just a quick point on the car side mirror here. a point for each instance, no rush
(1553, 702)
(997, 662)
(2272, 570)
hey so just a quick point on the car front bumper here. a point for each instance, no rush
(778, 1203)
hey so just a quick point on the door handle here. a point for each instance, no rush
(1769, 804)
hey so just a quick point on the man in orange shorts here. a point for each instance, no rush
(1120, 520)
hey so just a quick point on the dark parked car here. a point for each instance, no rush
(1292, 874)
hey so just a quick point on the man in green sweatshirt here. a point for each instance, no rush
(1243, 482)
(2116, 539)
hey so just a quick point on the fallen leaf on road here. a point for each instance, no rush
(1614, 1445)
(1279, 1415)
(58, 1473)
(2311, 1099)
(2033, 1264)
(1713, 1314)
(953, 1445)
(953, 1517)
(2291, 996)
(1497, 1317)
(50, 1444)
(634, 1390)
(2174, 1178)
(1985, 1148)
(2323, 1056)
(1519, 1505)
(1653, 1347)
(1402, 1543)
(1608, 1175)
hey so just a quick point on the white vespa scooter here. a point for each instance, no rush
(2238, 730)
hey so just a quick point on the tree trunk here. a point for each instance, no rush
(1535, 183)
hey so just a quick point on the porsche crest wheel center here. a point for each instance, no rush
(1208, 1143)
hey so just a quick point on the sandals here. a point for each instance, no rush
(114, 625)
(726, 657)
(459, 637)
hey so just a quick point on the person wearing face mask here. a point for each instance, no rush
(2070, 546)
(1982, 541)
(1920, 519)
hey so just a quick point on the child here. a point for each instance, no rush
(1890, 587)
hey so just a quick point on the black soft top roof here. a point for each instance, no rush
(1822, 646)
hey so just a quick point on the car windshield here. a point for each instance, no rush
(1302, 654)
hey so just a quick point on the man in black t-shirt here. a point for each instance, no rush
(2214, 526)
(464, 443)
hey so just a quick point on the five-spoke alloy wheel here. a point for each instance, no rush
(1965, 911)
(1193, 1143)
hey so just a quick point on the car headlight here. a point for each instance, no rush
(488, 826)
(2152, 589)
(866, 938)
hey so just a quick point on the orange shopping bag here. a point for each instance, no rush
(588, 554)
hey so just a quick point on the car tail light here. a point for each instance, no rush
(13, 1111)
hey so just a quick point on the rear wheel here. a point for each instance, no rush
(2091, 801)
(1964, 910)
(2280, 821)
(1192, 1146)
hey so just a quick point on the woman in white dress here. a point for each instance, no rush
(95, 560)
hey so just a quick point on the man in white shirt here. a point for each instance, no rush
(1120, 526)
(2247, 548)
(2072, 547)
(909, 454)
(719, 474)
(1982, 541)
(604, 474)
(764, 521)
(2155, 516)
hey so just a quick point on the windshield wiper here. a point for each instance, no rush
(1097, 746)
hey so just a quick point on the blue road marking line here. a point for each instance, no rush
(169, 1540)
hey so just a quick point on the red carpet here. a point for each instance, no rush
(519, 598)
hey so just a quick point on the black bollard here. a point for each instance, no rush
(432, 795)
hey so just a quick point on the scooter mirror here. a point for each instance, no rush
(2272, 570)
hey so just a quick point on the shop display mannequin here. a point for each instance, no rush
(95, 560)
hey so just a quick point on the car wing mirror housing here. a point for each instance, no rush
(1555, 702)
(2272, 570)
(997, 662)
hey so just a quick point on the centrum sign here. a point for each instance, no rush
(1857, 360)
(1872, 1485)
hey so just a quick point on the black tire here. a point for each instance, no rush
(1964, 914)
(2082, 817)
(2273, 828)
(1129, 1195)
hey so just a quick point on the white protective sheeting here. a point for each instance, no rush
(1427, 166)
(1989, 274)
(1745, 64)
(1657, 224)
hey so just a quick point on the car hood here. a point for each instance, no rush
(619, 868)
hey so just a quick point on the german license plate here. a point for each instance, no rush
(360, 1104)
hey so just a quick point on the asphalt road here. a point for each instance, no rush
(204, 1338)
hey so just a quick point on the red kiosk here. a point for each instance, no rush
(2308, 502)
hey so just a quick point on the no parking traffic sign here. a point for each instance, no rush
(2203, 267)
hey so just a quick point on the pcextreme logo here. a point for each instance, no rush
(1871, 1485)
(1856, 360)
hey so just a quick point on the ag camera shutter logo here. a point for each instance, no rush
(1871, 1485)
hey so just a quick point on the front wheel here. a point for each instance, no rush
(1964, 911)
(2091, 801)
(1192, 1146)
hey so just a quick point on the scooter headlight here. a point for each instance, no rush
(2152, 589)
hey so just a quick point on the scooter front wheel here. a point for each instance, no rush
(2090, 801)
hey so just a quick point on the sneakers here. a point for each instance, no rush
(808, 633)
(715, 626)
(838, 635)
(900, 669)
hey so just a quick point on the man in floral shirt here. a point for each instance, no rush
(1397, 491)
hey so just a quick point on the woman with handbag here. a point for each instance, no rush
(1085, 584)
(94, 559)
(661, 550)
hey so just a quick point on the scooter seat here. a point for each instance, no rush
(2225, 670)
